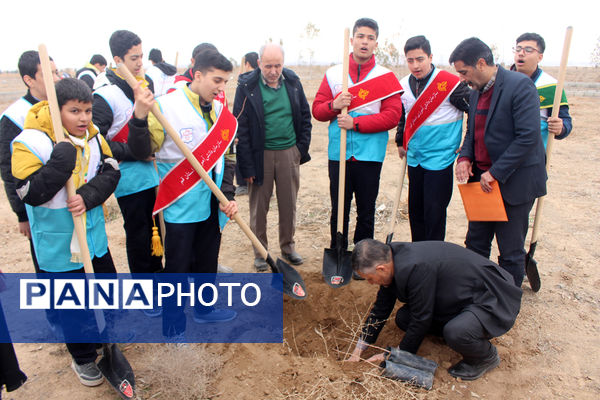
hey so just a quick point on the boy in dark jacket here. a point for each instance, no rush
(42, 167)
(113, 108)
(11, 124)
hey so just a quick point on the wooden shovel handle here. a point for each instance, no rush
(398, 195)
(555, 109)
(125, 73)
(342, 171)
(59, 135)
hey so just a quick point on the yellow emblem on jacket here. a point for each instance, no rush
(542, 98)
(225, 134)
(442, 86)
(362, 93)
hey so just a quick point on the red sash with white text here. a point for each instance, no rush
(182, 177)
(122, 135)
(432, 97)
(372, 90)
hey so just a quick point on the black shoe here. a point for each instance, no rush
(470, 372)
(260, 264)
(293, 258)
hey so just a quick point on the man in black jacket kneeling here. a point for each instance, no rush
(448, 291)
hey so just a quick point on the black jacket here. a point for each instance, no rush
(439, 280)
(44, 183)
(248, 108)
(512, 137)
(9, 131)
(103, 116)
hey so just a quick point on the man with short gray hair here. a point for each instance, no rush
(274, 128)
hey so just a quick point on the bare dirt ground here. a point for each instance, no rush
(551, 353)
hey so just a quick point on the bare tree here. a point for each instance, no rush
(595, 56)
(311, 32)
(388, 54)
(495, 53)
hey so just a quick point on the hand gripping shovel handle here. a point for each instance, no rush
(390, 235)
(530, 263)
(124, 72)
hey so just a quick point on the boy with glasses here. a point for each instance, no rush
(529, 51)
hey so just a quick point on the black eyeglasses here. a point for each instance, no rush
(527, 49)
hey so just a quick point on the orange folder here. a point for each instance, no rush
(482, 206)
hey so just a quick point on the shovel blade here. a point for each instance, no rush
(337, 267)
(293, 284)
(117, 371)
(532, 273)
(531, 269)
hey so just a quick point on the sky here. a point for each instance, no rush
(73, 32)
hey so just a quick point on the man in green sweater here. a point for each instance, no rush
(274, 127)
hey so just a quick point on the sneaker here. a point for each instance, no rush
(293, 258)
(241, 190)
(224, 270)
(260, 264)
(89, 374)
(215, 316)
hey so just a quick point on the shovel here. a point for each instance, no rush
(293, 284)
(337, 267)
(390, 235)
(530, 264)
(114, 366)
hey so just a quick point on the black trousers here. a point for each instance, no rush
(36, 266)
(137, 209)
(463, 334)
(510, 237)
(11, 375)
(84, 353)
(362, 182)
(190, 248)
(429, 193)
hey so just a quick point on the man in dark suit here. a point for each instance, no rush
(503, 144)
(448, 291)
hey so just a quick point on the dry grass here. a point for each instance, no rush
(169, 372)
(369, 386)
